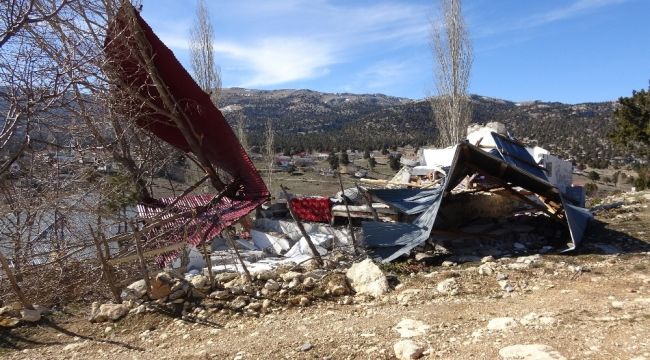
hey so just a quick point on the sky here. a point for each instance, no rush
(571, 51)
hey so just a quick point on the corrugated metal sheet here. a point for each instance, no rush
(389, 241)
(193, 229)
(515, 154)
(408, 201)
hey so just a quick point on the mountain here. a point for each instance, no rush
(306, 119)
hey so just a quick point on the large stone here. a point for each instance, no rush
(530, 352)
(106, 312)
(226, 277)
(239, 302)
(410, 328)
(8, 322)
(448, 286)
(408, 350)
(159, 288)
(272, 285)
(135, 291)
(503, 323)
(290, 275)
(30, 315)
(367, 278)
(336, 284)
(200, 282)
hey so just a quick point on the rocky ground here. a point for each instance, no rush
(593, 304)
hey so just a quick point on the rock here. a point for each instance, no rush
(266, 305)
(294, 283)
(272, 286)
(11, 310)
(503, 323)
(530, 352)
(106, 312)
(486, 268)
(221, 295)
(448, 263)
(536, 319)
(309, 283)
(134, 291)
(306, 346)
(407, 295)
(226, 277)
(255, 306)
(618, 305)
(160, 287)
(8, 322)
(501, 277)
(178, 294)
(409, 328)
(505, 286)
(290, 275)
(408, 349)
(304, 301)
(366, 278)
(487, 259)
(448, 286)
(265, 275)
(424, 258)
(200, 282)
(30, 315)
(239, 302)
(336, 285)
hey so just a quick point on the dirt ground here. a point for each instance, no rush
(593, 304)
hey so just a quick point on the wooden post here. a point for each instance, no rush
(347, 210)
(143, 263)
(106, 268)
(14, 284)
(226, 234)
(207, 254)
(311, 245)
(368, 199)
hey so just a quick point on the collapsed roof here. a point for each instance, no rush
(508, 166)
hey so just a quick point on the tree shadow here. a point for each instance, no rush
(13, 339)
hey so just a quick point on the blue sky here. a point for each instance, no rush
(569, 51)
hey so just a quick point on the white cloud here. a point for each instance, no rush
(279, 60)
(290, 40)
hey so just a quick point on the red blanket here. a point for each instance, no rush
(313, 209)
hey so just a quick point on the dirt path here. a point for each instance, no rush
(585, 306)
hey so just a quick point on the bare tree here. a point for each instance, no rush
(452, 54)
(269, 149)
(206, 72)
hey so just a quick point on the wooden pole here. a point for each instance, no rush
(347, 210)
(311, 245)
(14, 284)
(226, 234)
(106, 268)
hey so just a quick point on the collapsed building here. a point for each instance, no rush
(419, 206)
